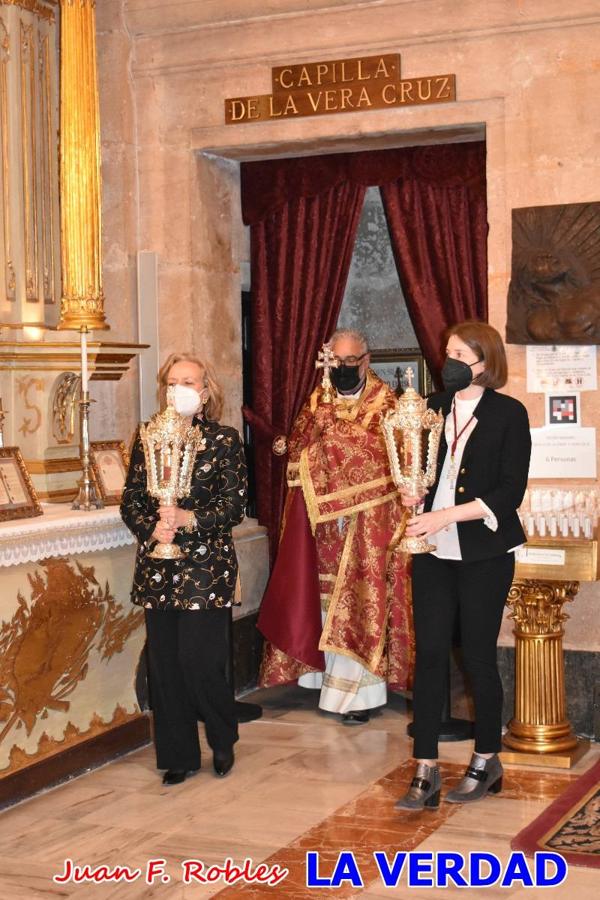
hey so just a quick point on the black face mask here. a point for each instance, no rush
(457, 375)
(345, 378)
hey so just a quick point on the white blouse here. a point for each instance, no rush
(446, 540)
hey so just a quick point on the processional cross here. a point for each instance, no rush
(327, 361)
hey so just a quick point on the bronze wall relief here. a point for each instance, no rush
(554, 292)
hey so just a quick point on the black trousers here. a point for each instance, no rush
(187, 664)
(477, 592)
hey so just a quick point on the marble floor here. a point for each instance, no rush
(301, 783)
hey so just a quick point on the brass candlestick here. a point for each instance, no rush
(87, 496)
(406, 425)
(170, 447)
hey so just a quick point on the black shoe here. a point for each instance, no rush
(483, 776)
(424, 789)
(223, 762)
(356, 718)
(177, 776)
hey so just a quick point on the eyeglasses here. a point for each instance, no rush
(349, 360)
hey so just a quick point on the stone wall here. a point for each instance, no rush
(526, 80)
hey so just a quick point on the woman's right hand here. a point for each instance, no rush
(163, 533)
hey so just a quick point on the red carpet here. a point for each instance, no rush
(569, 826)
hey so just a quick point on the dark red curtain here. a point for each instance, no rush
(437, 218)
(303, 214)
(301, 256)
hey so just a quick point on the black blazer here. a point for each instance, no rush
(494, 468)
(206, 577)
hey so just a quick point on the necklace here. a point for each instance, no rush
(457, 436)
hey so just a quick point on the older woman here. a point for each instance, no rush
(471, 519)
(185, 601)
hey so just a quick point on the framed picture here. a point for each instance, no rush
(18, 499)
(562, 409)
(110, 462)
(392, 366)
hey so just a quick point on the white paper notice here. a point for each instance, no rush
(540, 556)
(563, 453)
(561, 368)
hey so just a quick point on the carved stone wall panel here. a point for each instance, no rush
(70, 641)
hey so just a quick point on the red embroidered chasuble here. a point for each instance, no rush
(342, 493)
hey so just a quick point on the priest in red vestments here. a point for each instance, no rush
(337, 612)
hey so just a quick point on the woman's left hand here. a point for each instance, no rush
(427, 523)
(173, 516)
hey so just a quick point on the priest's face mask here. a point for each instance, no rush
(353, 364)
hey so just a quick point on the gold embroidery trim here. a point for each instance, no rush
(379, 402)
(310, 498)
(347, 685)
(356, 489)
(339, 581)
(324, 643)
(397, 535)
(359, 507)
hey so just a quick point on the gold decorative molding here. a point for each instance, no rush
(47, 149)
(540, 723)
(82, 303)
(62, 495)
(579, 560)
(29, 161)
(107, 360)
(10, 281)
(28, 157)
(54, 466)
(24, 386)
(33, 6)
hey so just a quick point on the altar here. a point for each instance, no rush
(71, 642)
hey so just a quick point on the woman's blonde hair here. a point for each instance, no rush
(214, 405)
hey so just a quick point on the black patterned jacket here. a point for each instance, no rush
(206, 578)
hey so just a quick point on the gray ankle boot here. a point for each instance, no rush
(424, 790)
(482, 776)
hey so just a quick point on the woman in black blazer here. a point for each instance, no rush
(470, 516)
(186, 601)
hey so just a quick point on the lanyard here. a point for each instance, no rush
(460, 433)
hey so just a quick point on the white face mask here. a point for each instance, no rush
(184, 400)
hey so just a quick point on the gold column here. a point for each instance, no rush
(540, 725)
(82, 303)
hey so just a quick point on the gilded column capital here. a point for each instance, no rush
(540, 724)
(82, 302)
(537, 606)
